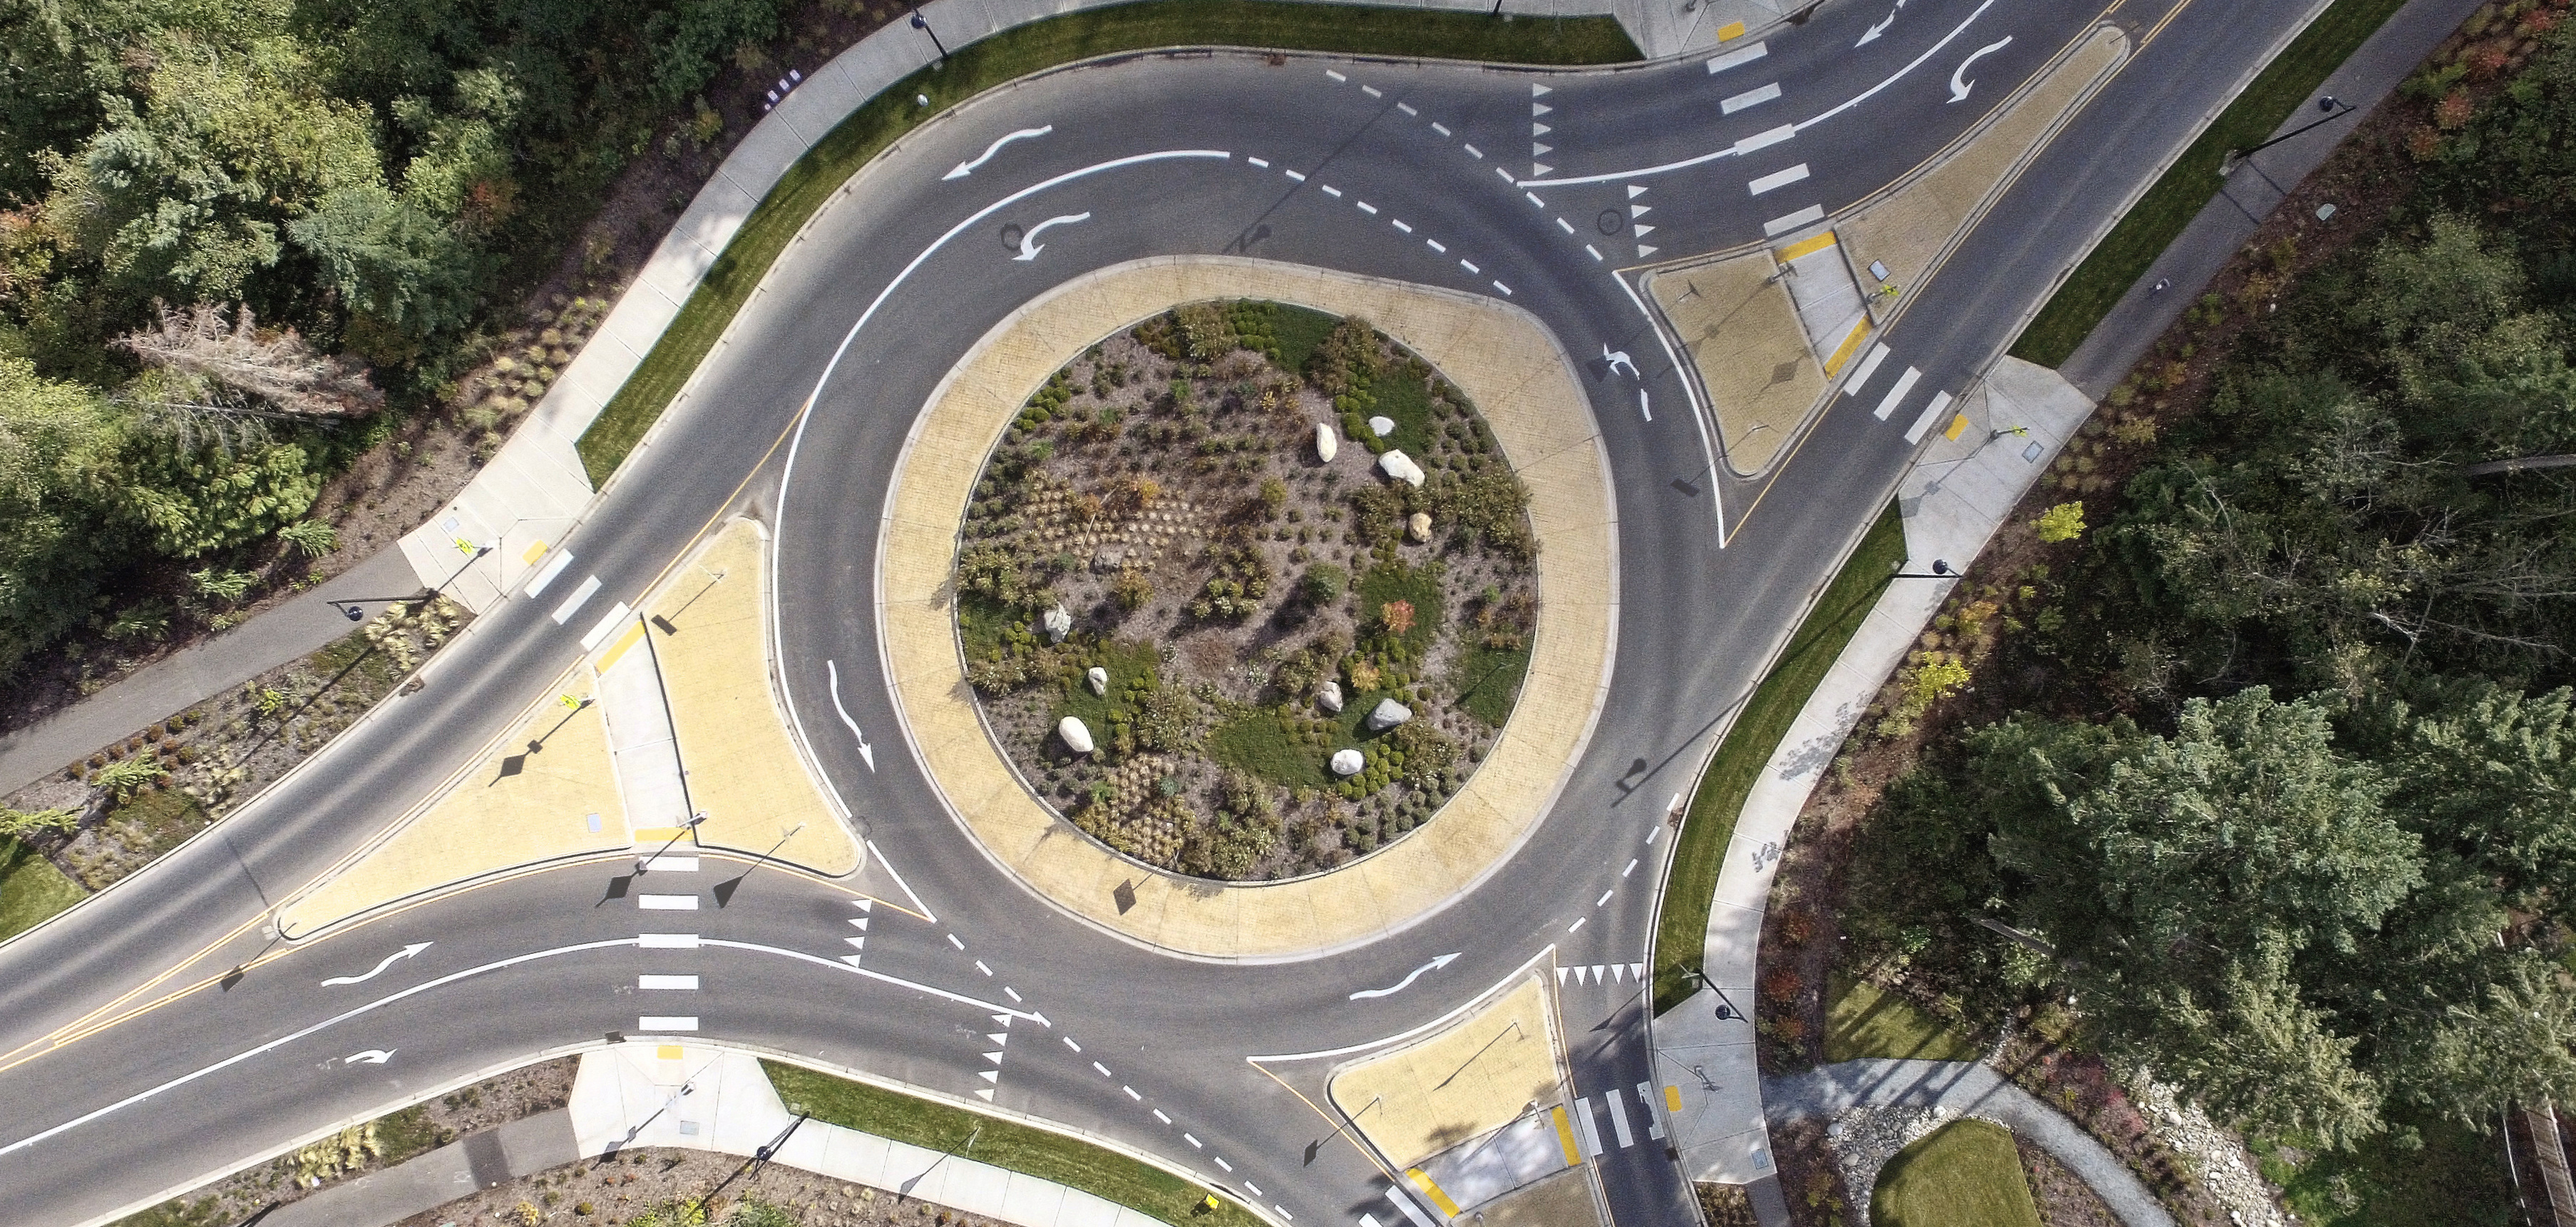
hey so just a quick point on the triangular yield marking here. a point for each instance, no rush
(1540, 129)
(861, 922)
(989, 1075)
(994, 1057)
(1596, 973)
(865, 905)
(1644, 251)
(856, 943)
(1539, 170)
(1619, 972)
(1538, 90)
(1643, 231)
(1560, 975)
(1640, 210)
(1540, 108)
(1539, 151)
(1000, 1038)
(1638, 970)
(1003, 1019)
(851, 959)
(987, 1093)
(1635, 191)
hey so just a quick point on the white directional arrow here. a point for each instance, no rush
(1029, 245)
(1959, 84)
(1871, 35)
(1619, 360)
(866, 751)
(372, 1056)
(1407, 982)
(389, 960)
(967, 168)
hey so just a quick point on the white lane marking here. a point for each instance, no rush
(607, 626)
(1399, 224)
(1263, 163)
(1904, 384)
(1220, 1162)
(1645, 406)
(967, 168)
(1366, 207)
(1578, 923)
(1283, 1210)
(1442, 129)
(888, 866)
(1029, 244)
(1651, 834)
(1637, 210)
(1777, 225)
(1131, 1093)
(1779, 179)
(979, 966)
(1158, 1115)
(411, 951)
(1565, 225)
(1533, 199)
(866, 752)
(1012, 993)
(1959, 85)
(860, 923)
(1396, 1196)
(1540, 108)
(1596, 252)
(1371, 91)
(1506, 175)
(1635, 191)
(666, 941)
(1294, 175)
(1469, 266)
(572, 604)
(1540, 130)
(1868, 367)
(856, 943)
(1749, 98)
(1605, 897)
(1646, 1103)
(674, 984)
(1256, 1189)
(1765, 138)
(1407, 982)
(1871, 34)
(546, 575)
(1540, 91)
(1407, 108)
(1473, 152)
(1507, 290)
(653, 1023)
(1619, 1118)
(952, 940)
(666, 903)
(1584, 1124)
(1436, 246)
(1899, 75)
(1735, 59)
(1330, 190)
(670, 864)
(1001, 1039)
(1195, 1144)
(1335, 75)
(994, 1008)
(1644, 230)
(371, 1056)
(1068, 1042)
(1632, 867)
(1931, 413)
(1104, 1070)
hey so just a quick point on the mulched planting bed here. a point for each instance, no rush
(1163, 501)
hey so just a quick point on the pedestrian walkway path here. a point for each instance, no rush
(1958, 493)
(699, 1097)
(1969, 1089)
(468, 1165)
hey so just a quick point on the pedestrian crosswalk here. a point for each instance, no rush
(1597, 973)
(1899, 393)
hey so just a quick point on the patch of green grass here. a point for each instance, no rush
(1710, 822)
(203, 1212)
(1296, 333)
(1276, 748)
(1404, 399)
(157, 821)
(1130, 663)
(1489, 682)
(1017, 52)
(31, 889)
(1964, 1174)
(1002, 1143)
(406, 1135)
(2193, 180)
(981, 621)
(1388, 582)
(2454, 1176)
(1864, 1020)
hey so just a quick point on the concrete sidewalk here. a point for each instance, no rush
(470, 1164)
(305, 624)
(1969, 1089)
(1958, 493)
(2221, 228)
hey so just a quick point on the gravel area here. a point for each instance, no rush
(1864, 1139)
(2219, 1158)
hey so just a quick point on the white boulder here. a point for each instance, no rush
(1400, 467)
(1326, 444)
(1349, 762)
(1077, 736)
(1418, 526)
(1329, 696)
(1381, 427)
(1387, 714)
(1099, 679)
(1057, 623)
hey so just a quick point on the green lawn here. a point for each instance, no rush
(2151, 225)
(31, 889)
(1018, 52)
(1388, 582)
(1002, 1143)
(1488, 682)
(1964, 1174)
(1710, 821)
(2456, 1176)
(1862, 1020)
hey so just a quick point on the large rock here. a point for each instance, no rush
(1381, 427)
(1099, 679)
(1057, 624)
(1077, 736)
(1329, 697)
(1418, 526)
(1400, 467)
(1387, 714)
(1349, 762)
(1326, 444)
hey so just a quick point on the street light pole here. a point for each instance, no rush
(646, 865)
(923, 24)
(1940, 570)
(2335, 108)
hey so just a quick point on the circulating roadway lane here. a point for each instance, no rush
(163, 1032)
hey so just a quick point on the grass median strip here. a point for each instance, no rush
(1710, 823)
(31, 889)
(1026, 1149)
(2159, 216)
(1964, 1174)
(1017, 52)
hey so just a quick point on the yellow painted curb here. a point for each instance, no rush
(1521, 380)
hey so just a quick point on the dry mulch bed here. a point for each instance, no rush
(631, 1187)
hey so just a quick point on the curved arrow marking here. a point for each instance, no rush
(1029, 245)
(866, 751)
(967, 168)
(1959, 84)
(1407, 982)
(372, 1056)
(390, 960)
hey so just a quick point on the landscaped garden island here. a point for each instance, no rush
(1246, 590)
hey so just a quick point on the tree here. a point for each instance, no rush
(389, 258)
(190, 502)
(2493, 777)
(277, 365)
(54, 440)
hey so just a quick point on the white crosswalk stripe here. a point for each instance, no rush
(1619, 1119)
(1904, 384)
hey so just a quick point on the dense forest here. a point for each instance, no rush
(241, 240)
(2281, 774)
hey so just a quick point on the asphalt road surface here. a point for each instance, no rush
(135, 1058)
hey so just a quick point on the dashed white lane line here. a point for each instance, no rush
(1506, 175)
(1365, 207)
(1578, 923)
(1765, 138)
(1565, 225)
(1263, 163)
(655, 1023)
(1749, 98)
(1158, 1115)
(1533, 199)
(1195, 1144)
(1435, 246)
(1474, 152)
(1371, 91)
(1068, 1042)
(1868, 367)
(607, 626)
(666, 903)
(1778, 179)
(1605, 897)
(1507, 290)
(1632, 867)
(1256, 1189)
(1737, 59)
(1407, 108)
(1904, 384)
(1012, 993)
(1442, 129)
(1220, 1162)
(580, 596)
(1469, 265)
(979, 966)
(1330, 190)
(1931, 413)
(1131, 1093)
(669, 984)
(546, 574)
(1399, 224)
(1336, 76)
(1294, 175)
(1787, 222)
(1596, 252)
(666, 941)
(952, 940)
(1104, 1070)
